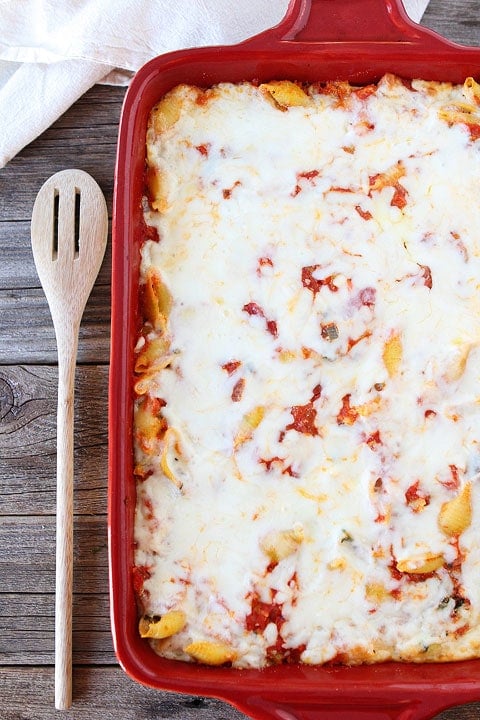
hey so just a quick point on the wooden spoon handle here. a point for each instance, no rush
(69, 236)
(64, 528)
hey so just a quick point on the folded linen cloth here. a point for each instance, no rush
(52, 51)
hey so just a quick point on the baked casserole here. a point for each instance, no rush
(307, 398)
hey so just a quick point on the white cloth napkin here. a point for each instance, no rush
(52, 51)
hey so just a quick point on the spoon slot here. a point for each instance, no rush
(76, 231)
(56, 204)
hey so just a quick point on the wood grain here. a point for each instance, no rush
(85, 137)
(27, 629)
(457, 21)
(105, 695)
(27, 439)
(27, 342)
(27, 562)
(17, 269)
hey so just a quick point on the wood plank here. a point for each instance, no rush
(27, 629)
(457, 21)
(27, 561)
(101, 694)
(28, 401)
(24, 341)
(97, 157)
(17, 269)
(108, 694)
(84, 137)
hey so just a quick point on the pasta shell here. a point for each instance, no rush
(166, 113)
(422, 565)
(337, 564)
(144, 383)
(163, 627)
(286, 93)
(392, 354)
(456, 514)
(250, 421)
(211, 653)
(459, 113)
(369, 408)
(457, 365)
(388, 178)
(170, 452)
(157, 301)
(153, 353)
(471, 90)
(376, 592)
(157, 189)
(149, 425)
(278, 545)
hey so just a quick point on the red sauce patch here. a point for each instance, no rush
(304, 415)
(262, 614)
(237, 391)
(474, 130)
(140, 574)
(354, 341)
(141, 473)
(365, 92)
(227, 192)
(340, 189)
(364, 214)
(151, 233)
(416, 498)
(309, 175)
(203, 96)
(231, 366)
(427, 276)
(303, 419)
(367, 297)
(348, 414)
(263, 262)
(314, 284)
(374, 440)
(286, 470)
(399, 198)
(290, 471)
(254, 309)
(156, 404)
(148, 505)
(268, 463)
(203, 149)
(453, 482)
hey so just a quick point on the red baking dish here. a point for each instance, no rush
(318, 40)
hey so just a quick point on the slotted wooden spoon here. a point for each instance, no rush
(69, 236)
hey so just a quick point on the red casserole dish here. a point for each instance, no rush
(318, 40)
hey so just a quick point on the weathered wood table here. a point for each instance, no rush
(84, 137)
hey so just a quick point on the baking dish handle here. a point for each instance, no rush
(260, 708)
(344, 21)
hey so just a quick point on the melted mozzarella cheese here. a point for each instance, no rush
(324, 381)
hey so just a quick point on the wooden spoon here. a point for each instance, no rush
(69, 236)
